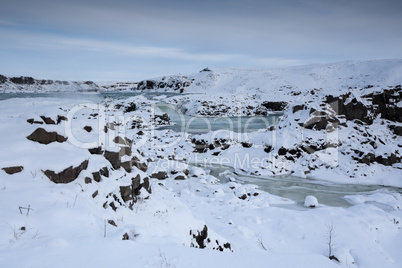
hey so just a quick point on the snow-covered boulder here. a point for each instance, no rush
(311, 201)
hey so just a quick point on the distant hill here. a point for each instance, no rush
(277, 83)
(30, 84)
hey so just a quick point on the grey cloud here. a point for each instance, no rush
(222, 32)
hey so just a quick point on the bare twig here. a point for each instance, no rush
(104, 228)
(28, 209)
(75, 200)
(330, 238)
(261, 243)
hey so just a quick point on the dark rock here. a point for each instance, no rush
(180, 177)
(367, 159)
(225, 146)
(274, 105)
(333, 258)
(140, 165)
(147, 185)
(398, 130)
(89, 83)
(312, 148)
(104, 172)
(23, 80)
(130, 192)
(47, 120)
(61, 118)
(13, 170)
(88, 180)
(97, 150)
(352, 110)
(88, 128)
(3, 79)
(126, 193)
(246, 144)
(96, 176)
(126, 237)
(297, 108)
(113, 158)
(357, 110)
(282, 151)
(119, 140)
(146, 84)
(136, 183)
(201, 146)
(125, 151)
(130, 108)
(67, 175)
(268, 148)
(201, 237)
(127, 166)
(95, 194)
(205, 70)
(113, 206)
(243, 197)
(111, 222)
(43, 137)
(164, 118)
(161, 175)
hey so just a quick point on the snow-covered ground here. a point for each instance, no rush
(100, 184)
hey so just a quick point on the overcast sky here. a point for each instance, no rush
(134, 40)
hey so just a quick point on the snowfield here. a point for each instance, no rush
(94, 182)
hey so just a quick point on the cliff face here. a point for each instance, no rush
(30, 84)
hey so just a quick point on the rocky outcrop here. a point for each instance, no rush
(350, 107)
(68, 175)
(161, 175)
(33, 121)
(88, 128)
(202, 146)
(131, 192)
(113, 158)
(146, 84)
(202, 240)
(29, 84)
(102, 172)
(43, 137)
(48, 120)
(13, 170)
(22, 80)
(178, 83)
(320, 120)
(385, 104)
(369, 158)
(396, 129)
(3, 79)
(131, 107)
(97, 150)
(274, 105)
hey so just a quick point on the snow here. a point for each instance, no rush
(44, 224)
(311, 201)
